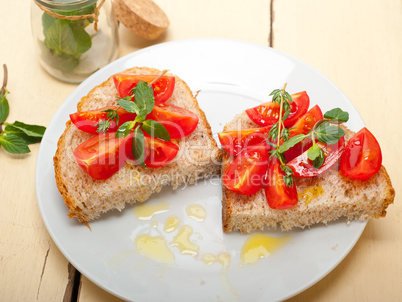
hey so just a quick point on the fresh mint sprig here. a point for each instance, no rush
(146, 98)
(142, 105)
(16, 137)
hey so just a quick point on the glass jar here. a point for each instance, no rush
(74, 38)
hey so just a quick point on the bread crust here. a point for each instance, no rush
(321, 199)
(87, 198)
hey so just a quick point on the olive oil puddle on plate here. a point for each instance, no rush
(161, 249)
(147, 211)
(196, 212)
(183, 243)
(258, 246)
(171, 224)
(154, 248)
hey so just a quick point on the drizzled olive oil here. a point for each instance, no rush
(259, 246)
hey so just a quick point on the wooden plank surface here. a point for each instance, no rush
(32, 267)
(356, 44)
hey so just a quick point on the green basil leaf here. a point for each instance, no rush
(291, 142)
(47, 21)
(144, 97)
(125, 129)
(316, 155)
(329, 134)
(314, 151)
(138, 148)
(140, 118)
(4, 108)
(14, 144)
(67, 37)
(10, 129)
(155, 129)
(337, 114)
(129, 106)
(30, 130)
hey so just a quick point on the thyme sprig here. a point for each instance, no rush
(279, 132)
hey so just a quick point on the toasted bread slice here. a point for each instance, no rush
(86, 198)
(322, 199)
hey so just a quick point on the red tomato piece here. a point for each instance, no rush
(179, 122)
(163, 87)
(303, 126)
(303, 167)
(362, 157)
(245, 174)
(268, 114)
(278, 194)
(306, 122)
(101, 156)
(158, 153)
(235, 141)
(87, 120)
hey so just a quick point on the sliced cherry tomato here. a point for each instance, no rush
(163, 87)
(303, 126)
(158, 153)
(102, 155)
(245, 174)
(268, 114)
(303, 167)
(306, 122)
(235, 141)
(362, 157)
(179, 122)
(87, 120)
(278, 194)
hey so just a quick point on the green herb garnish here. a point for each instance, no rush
(16, 137)
(278, 130)
(143, 104)
(325, 131)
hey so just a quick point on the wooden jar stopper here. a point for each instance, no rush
(143, 17)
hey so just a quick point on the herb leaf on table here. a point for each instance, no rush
(16, 137)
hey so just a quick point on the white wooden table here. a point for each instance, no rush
(356, 44)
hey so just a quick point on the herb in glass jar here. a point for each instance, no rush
(68, 30)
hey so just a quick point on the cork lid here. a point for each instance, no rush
(143, 17)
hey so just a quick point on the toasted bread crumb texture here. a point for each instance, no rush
(86, 198)
(322, 199)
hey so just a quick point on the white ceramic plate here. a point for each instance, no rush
(232, 76)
